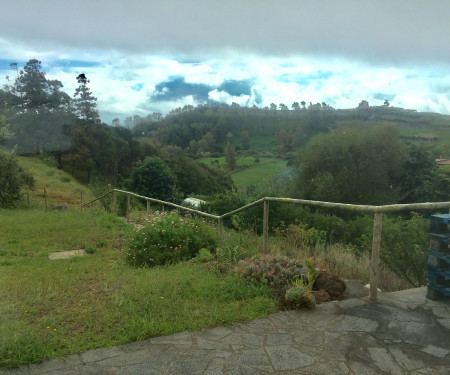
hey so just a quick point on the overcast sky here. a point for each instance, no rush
(145, 56)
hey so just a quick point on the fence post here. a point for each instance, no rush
(45, 199)
(128, 208)
(148, 207)
(220, 232)
(114, 203)
(375, 261)
(266, 227)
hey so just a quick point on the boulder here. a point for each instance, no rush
(330, 283)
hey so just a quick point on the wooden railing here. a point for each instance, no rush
(376, 210)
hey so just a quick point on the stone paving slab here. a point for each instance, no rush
(66, 254)
(400, 334)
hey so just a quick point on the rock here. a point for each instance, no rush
(322, 296)
(332, 284)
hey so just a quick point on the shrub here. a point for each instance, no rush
(277, 272)
(230, 255)
(404, 247)
(153, 178)
(12, 178)
(169, 238)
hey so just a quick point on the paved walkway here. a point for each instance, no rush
(403, 333)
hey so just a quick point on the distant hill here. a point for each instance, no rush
(207, 129)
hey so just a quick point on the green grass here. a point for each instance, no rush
(54, 308)
(249, 172)
(425, 133)
(61, 188)
(259, 172)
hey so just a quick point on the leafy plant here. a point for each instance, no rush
(203, 256)
(274, 271)
(230, 255)
(169, 238)
(300, 293)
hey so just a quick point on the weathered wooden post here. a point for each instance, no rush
(375, 261)
(220, 232)
(114, 203)
(128, 208)
(266, 227)
(45, 199)
(148, 207)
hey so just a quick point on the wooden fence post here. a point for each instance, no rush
(128, 208)
(45, 199)
(220, 232)
(114, 202)
(148, 207)
(375, 261)
(266, 227)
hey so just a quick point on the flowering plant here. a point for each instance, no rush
(169, 238)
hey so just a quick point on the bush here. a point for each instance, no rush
(169, 238)
(278, 272)
(404, 247)
(12, 178)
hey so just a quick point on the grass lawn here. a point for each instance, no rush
(55, 308)
(249, 172)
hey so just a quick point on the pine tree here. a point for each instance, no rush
(84, 102)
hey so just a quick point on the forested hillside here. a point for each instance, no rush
(372, 155)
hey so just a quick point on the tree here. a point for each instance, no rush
(230, 158)
(295, 106)
(38, 109)
(352, 165)
(283, 107)
(303, 103)
(84, 102)
(5, 132)
(153, 178)
(363, 104)
(386, 103)
(115, 122)
(245, 140)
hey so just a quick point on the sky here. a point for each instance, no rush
(144, 56)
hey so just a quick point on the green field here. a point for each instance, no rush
(251, 170)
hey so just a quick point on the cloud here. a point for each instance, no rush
(382, 31)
